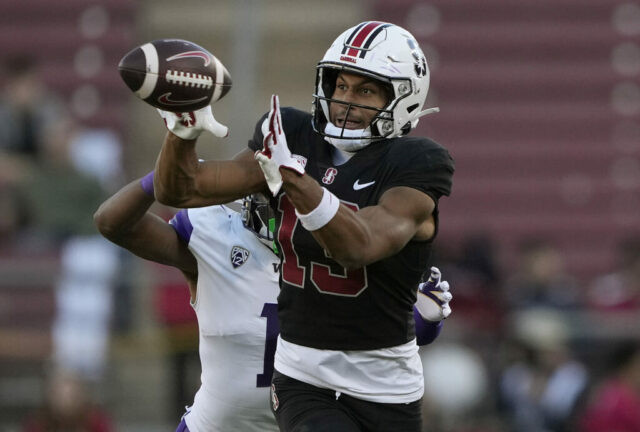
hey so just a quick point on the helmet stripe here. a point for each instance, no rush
(371, 39)
(351, 36)
(362, 36)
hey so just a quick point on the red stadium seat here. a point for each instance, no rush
(525, 90)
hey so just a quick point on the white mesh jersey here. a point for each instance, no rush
(237, 319)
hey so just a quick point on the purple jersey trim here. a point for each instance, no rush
(182, 427)
(147, 184)
(426, 331)
(181, 223)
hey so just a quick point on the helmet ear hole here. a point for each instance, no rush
(412, 108)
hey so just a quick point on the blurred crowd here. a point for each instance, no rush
(54, 172)
(530, 348)
(534, 348)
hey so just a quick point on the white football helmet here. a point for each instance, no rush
(385, 52)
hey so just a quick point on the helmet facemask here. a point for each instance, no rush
(258, 217)
(379, 127)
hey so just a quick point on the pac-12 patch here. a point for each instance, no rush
(239, 256)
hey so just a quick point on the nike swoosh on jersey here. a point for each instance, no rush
(357, 185)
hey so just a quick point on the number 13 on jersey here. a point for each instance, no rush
(350, 283)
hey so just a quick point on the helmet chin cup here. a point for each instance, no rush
(349, 140)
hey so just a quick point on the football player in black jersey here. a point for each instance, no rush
(356, 215)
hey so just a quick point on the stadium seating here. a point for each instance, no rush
(54, 35)
(530, 102)
(27, 308)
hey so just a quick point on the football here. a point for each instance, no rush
(174, 75)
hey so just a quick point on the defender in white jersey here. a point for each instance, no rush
(232, 272)
(237, 317)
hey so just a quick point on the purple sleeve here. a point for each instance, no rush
(426, 331)
(147, 184)
(181, 223)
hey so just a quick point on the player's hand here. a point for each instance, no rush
(275, 153)
(189, 125)
(434, 297)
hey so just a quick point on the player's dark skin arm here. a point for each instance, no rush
(355, 239)
(125, 220)
(183, 181)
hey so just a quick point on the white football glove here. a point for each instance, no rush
(434, 297)
(189, 125)
(275, 153)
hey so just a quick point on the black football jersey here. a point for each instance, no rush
(321, 304)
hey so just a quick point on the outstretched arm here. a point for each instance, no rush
(355, 239)
(182, 180)
(125, 220)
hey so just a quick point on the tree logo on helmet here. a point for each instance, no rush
(420, 65)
